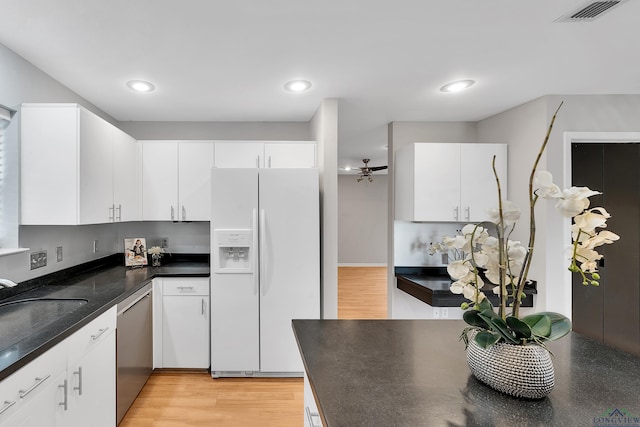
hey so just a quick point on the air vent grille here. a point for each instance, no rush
(590, 11)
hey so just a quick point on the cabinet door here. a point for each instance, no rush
(290, 155)
(239, 154)
(159, 181)
(437, 182)
(478, 189)
(194, 187)
(126, 179)
(185, 331)
(96, 169)
(92, 386)
(49, 165)
(44, 410)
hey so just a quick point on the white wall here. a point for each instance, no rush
(362, 222)
(324, 130)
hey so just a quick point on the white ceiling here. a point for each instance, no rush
(217, 60)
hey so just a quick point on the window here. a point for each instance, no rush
(9, 155)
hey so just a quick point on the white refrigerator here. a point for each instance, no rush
(265, 268)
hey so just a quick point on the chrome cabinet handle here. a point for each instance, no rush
(185, 287)
(313, 417)
(79, 374)
(112, 213)
(119, 217)
(172, 213)
(456, 212)
(24, 393)
(65, 402)
(467, 213)
(6, 406)
(203, 306)
(99, 334)
(269, 162)
(184, 213)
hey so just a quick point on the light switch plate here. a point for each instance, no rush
(59, 253)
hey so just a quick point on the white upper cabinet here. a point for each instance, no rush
(290, 155)
(126, 177)
(194, 180)
(276, 154)
(68, 172)
(444, 182)
(239, 154)
(176, 180)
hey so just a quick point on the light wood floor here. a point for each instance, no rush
(182, 398)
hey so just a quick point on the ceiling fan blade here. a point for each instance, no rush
(378, 168)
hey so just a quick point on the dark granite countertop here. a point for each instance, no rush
(102, 284)
(414, 373)
(431, 285)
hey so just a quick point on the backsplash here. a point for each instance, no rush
(412, 240)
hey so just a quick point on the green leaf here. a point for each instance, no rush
(486, 339)
(472, 317)
(560, 325)
(500, 326)
(521, 329)
(485, 304)
(539, 323)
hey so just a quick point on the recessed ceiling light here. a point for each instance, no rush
(457, 86)
(140, 86)
(297, 85)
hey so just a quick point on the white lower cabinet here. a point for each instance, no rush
(72, 384)
(311, 413)
(182, 326)
(91, 374)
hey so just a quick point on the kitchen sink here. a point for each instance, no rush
(21, 318)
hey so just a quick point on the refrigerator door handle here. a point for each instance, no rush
(263, 253)
(256, 260)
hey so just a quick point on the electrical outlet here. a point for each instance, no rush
(436, 312)
(164, 242)
(59, 253)
(95, 246)
(444, 312)
(38, 259)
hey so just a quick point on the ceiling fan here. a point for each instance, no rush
(366, 171)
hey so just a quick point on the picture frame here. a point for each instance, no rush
(135, 252)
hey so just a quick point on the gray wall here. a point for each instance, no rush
(362, 220)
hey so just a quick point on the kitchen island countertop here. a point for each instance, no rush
(414, 373)
(102, 287)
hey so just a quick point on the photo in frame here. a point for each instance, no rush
(135, 251)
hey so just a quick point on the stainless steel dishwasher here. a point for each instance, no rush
(134, 347)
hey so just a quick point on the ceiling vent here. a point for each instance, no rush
(590, 11)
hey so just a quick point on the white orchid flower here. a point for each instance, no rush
(592, 219)
(545, 187)
(575, 200)
(458, 269)
(602, 238)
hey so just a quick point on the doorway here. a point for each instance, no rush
(610, 313)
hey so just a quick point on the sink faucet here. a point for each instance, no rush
(6, 283)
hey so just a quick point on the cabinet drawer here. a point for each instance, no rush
(198, 286)
(91, 334)
(30, 380)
